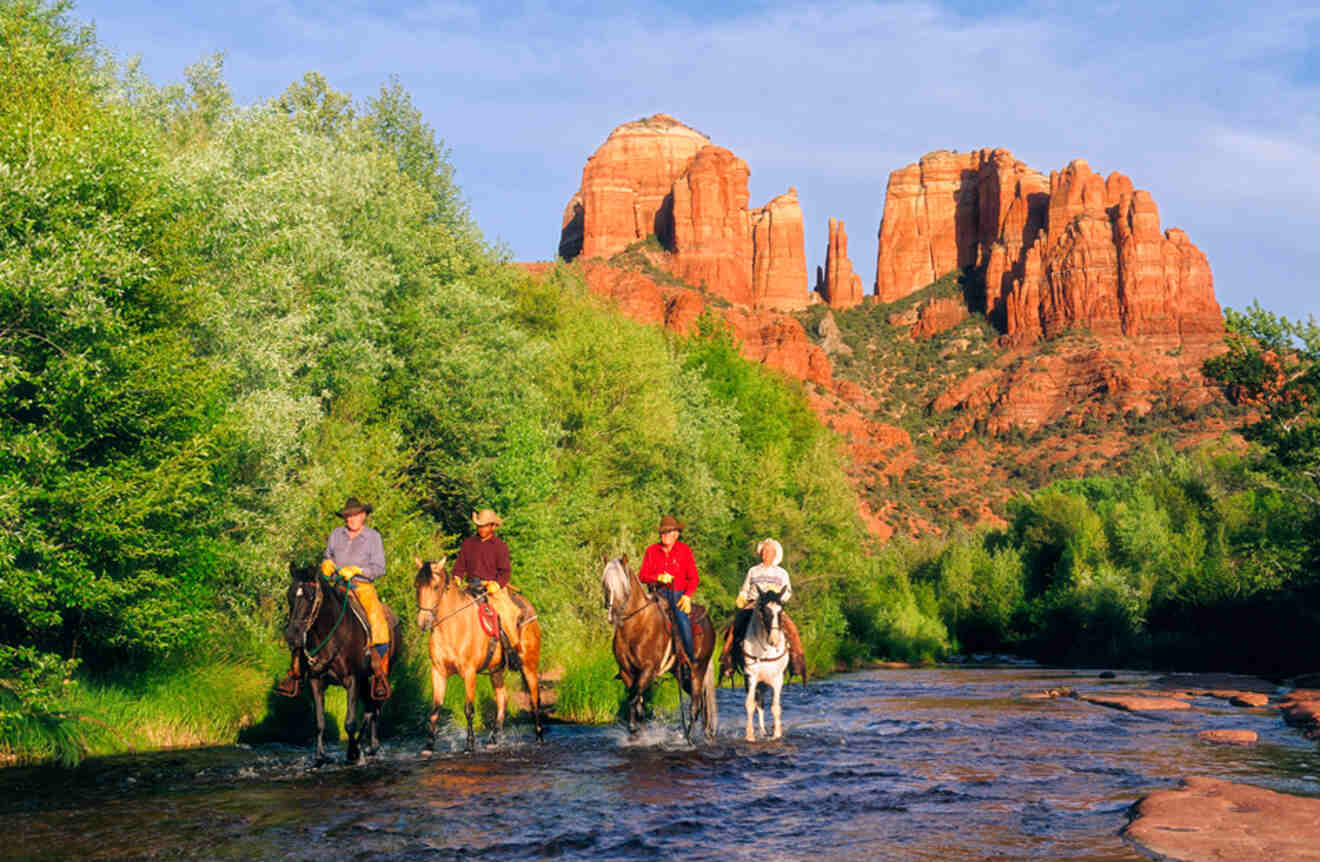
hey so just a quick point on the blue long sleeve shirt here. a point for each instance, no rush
(366, 551)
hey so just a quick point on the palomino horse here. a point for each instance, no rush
(335, 652)
(462, 644)
(645, 649)
(765, 658)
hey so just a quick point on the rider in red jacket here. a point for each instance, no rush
(669, 565)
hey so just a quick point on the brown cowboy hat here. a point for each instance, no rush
(352, 506)
(487, 516)
(668, 522)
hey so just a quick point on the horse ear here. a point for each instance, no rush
(624, 558)
(604, 557)
(417, 562)
(293, 569)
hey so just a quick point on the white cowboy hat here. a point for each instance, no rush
(779, 550)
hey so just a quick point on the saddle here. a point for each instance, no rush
(490, 624)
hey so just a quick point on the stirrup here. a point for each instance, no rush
(512, 660)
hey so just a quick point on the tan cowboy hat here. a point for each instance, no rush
(352, 506)
(668, 523)
(487, 516)
(771, 543)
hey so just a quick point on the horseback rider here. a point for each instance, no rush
(483, 560)
(355, 553)
(671, 568)
(767, 576)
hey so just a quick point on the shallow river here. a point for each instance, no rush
(888, 764)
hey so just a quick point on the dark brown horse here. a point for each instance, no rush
(462, 644)
(335, 651)
(645, 648)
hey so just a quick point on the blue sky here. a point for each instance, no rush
(1212, 107)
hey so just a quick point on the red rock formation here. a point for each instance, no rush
(711, 230)
(939, 315)
(657, 176)
(946, 211)
(1084, 251)
(839, 285)
(780, 342)
(779, 257)
(626, 183)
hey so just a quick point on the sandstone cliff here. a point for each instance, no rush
(1077, 250)
(657, 177)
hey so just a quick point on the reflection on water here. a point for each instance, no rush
(893, 764)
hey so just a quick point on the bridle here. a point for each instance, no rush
(760, 610)
(431, 611)
(319, 589)
(615, 617)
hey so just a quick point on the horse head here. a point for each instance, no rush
(769, 605)
(304, 597)
(616, 586)
(431, 582)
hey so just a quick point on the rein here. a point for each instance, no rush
(436, 621)
(316, 609)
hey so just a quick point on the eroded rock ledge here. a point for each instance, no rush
(1209, 818)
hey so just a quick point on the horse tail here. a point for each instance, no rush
(708, 694)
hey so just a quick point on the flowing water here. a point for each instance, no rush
(933, 764)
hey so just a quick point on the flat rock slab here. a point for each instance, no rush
(1250, 699)
(1229, 737)
(1138, 704)
(1209, 818)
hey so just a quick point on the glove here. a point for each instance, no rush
(685, 604)
(350, 571)
(740, 603)
(491, 586)
(327, 567)
(664, 578)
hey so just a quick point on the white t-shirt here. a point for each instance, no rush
(762, 578)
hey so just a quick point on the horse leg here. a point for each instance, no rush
(317, 686)
(469, 705)
(644, 679)
(501, 701)
(351, 722)
(532, 683)
(749, 681)
(438, 680)
(776, 687)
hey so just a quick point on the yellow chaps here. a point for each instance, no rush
(507, 611)
(380, 628)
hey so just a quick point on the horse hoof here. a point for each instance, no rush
(426, 753)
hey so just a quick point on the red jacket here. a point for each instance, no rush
(678, 562)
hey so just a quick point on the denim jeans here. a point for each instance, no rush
(684, 624)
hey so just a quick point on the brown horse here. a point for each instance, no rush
(645, 649)
(334, 651)
(461, 644)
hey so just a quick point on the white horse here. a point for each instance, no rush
(765, 658)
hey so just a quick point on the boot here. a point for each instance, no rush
(290, 685)
(511, 658)
(380, 677)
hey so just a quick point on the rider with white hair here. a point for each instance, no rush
(766, 576)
